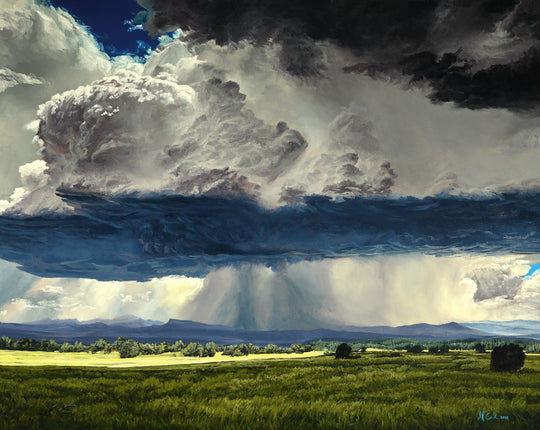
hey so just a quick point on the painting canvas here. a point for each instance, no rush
(269, 213)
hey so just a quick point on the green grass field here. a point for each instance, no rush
(376, 391)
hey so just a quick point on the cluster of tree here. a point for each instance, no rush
(128, 348)
(27, 344)
(433, 349)
(246, 349)
(131, 348)
(436, 349)
(413, 348)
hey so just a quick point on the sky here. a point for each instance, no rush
(109, 23)
(270, 164)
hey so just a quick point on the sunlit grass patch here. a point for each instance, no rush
(86, 359)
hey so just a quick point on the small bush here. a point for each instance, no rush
(507, 358)
(343, 350)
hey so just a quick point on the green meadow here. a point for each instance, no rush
(379, 390)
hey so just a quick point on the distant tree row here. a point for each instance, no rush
(436, 349)
(412, 345)
(131, 348)
(247, 349)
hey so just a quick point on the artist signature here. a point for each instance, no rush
(487, 416)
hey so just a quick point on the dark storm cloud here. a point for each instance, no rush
(361, 24)
(427, 40)
(142, 238)
(514, 85)
(380, 25)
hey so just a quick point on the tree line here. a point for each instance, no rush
(434, 346)
(128, 348)
(132, 348)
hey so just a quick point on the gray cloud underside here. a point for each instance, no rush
(141, 238)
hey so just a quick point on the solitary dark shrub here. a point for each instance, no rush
(507, 358)
(480, 348)
(363, 349)
(343, 350)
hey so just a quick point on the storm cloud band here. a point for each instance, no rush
(478, 54)
(141, 238)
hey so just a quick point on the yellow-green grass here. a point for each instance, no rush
(86, 359)
(379, 390)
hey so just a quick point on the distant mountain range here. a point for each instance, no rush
(190, 331)
(521, 328)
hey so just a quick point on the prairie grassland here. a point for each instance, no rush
(379, 390)
(86, 359)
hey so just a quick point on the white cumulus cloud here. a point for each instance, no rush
(43, 51)
(87, 299)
